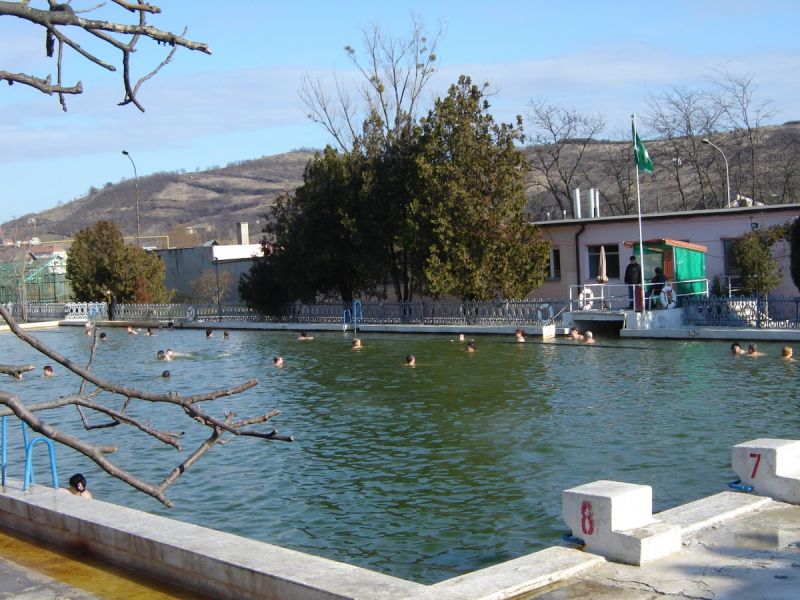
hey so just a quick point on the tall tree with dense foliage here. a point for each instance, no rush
(471, 237)
(99, 262)
(325, 238)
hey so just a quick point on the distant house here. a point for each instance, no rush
(190, 270)
(576, 243)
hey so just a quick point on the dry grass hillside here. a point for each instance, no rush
(212, 202)
(217, 198)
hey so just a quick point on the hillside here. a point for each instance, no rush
(218, 198)
(213, 201)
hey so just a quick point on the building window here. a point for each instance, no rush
(731, 268)
(553, 272)
(612, 261)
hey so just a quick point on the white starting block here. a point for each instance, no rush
(770, 466)
(615, 520)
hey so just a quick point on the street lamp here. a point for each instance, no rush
(727, 171)
(136, 183)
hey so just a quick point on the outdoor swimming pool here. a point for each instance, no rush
(424, 472)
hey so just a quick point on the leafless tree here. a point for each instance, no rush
(745, 114)
(616, 182)
(560, 137)
(221, 429)
(783, 182)
(681, 118)
(393, 74)
(212, 287)
(61, 21)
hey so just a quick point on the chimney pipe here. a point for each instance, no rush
(576, 203)
(242, 234)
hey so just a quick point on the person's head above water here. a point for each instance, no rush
(77, 482)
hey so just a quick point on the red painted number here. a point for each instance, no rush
(587, 522)
(757, 456)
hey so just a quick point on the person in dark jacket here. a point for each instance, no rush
(633, 277)
(658, 281)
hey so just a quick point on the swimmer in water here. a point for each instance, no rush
(471, 346)
(752, 350)
(304, 338)
(357, 345)
(77, 486)
(278, 361)
(47, 371)
(588, 338)
(520, 335)
(411, 360)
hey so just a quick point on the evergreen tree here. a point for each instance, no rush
(471, 237)
(758, 269)
(99, 262)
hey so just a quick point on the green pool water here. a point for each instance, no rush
(426, 472)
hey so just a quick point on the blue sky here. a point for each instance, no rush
(242, 102)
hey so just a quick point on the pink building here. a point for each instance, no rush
(576, 243)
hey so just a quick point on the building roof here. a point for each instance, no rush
(669, 242)
(707, 212)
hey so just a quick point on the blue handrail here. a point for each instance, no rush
(26, 483)
(29, 476)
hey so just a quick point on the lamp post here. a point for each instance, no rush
(136, 184)
(219, 296)
(727, 171)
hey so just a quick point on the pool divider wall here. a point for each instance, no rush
(224, 565)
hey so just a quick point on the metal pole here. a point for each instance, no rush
(727, 170)
(136, 185)
(219, 298)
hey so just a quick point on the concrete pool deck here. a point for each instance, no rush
(734, 545)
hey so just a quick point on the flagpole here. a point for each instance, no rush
(639, 214)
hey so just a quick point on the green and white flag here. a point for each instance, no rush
(640, 152)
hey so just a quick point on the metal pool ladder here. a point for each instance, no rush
(29, 476)
(354, 316)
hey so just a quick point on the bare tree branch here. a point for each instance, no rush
(97, 453)
(393, 74)
(16, 371)
(62, 17)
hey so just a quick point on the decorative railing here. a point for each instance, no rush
(760, 312)
(714, 311)
(506, 312)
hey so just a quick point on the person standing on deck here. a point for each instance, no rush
(633, 277)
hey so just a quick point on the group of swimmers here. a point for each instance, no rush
(752, 351)
(587, 337)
